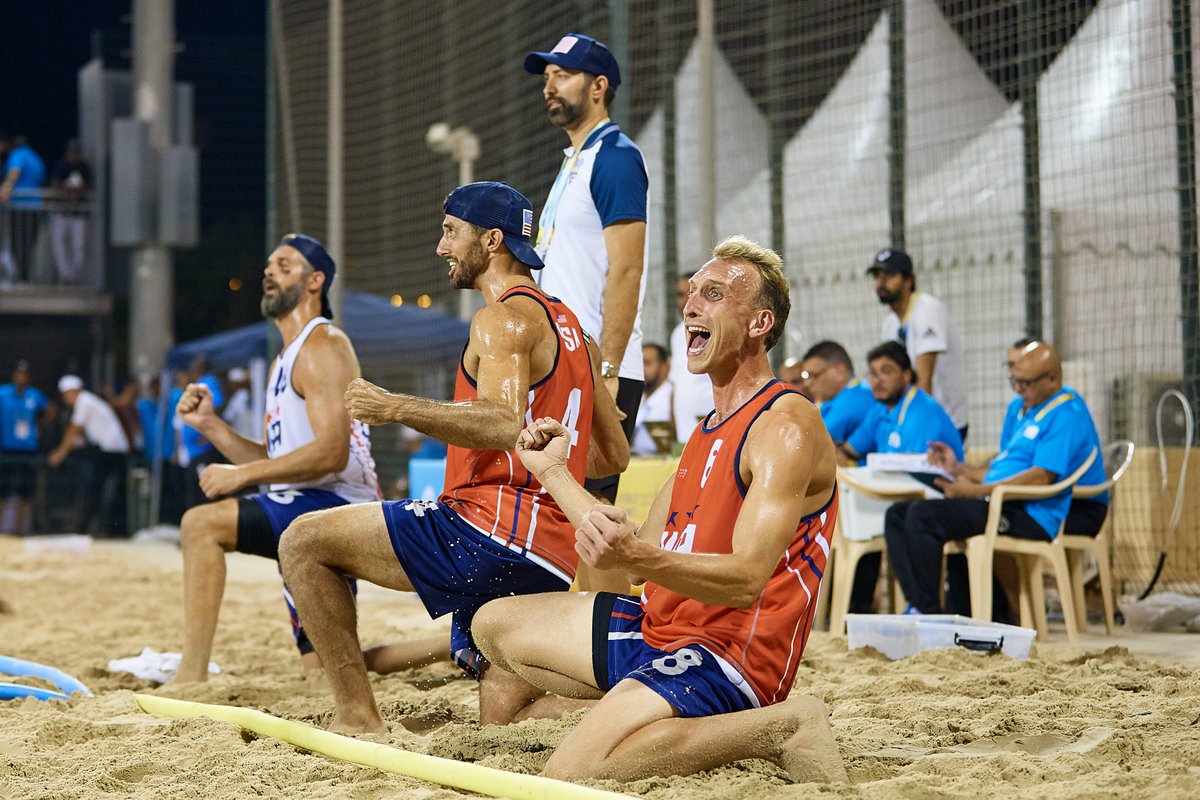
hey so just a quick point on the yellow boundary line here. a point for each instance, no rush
(446, 771)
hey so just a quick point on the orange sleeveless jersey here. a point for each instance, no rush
(762, 643)
(492, 490)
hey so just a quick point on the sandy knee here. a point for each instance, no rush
(301, 543)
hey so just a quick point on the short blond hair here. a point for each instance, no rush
(773, 290)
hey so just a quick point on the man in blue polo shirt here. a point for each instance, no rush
(1048, 433)
(904, 419)
(21, 408)
(827, 378)
(592, 230)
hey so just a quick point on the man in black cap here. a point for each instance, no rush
(493, 532)
(314, 455)
(921, 323)
(592, 231)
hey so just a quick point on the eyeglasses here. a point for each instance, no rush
(812, 376)
(1021, 384)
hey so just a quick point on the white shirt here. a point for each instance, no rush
(928, 330)
(99, 422)
(604, 185)
(288, 428)
(654, 408)
(240, 415)
(693, 393)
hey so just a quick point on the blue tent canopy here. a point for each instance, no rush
(377, 329)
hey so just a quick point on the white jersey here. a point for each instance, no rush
(927, 329)
(287, 428)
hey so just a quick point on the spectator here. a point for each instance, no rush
(21, 409)
(96, 440)
(904, 420)
(24, 174)
(239, 411)
(792, 371)
(693, 397)
(592, 231)
(920, 322)
(655, 408)
(828, 379)
(1048, 433)
(72, 176)
(124, 405)
(194, 452)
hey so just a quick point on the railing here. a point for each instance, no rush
(46, 240)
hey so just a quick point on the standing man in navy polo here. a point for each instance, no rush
(21, 409)
(592, 231)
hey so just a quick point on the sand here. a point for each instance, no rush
(1090, 722)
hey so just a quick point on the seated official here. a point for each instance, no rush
(1048, 433)
(904, 419)
(828, 379)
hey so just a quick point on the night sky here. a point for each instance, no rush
(43, 43)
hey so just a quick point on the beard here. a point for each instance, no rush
(887, 298)
(567, 114)
(283, 303)
(469, 268)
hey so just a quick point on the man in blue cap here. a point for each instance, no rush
(493, 532)
(314, 454)
(592, 231)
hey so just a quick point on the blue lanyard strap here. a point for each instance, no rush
(550, 209)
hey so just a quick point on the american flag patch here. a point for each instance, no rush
(562, 318)
(526, 221)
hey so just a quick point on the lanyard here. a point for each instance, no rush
(904, 408)
(550, 209)
(1046, 409)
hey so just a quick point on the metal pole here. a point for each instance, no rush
(335, 160)
(1189, 235)
(283, 85)
(151, 313)
(897, 120)
(618, 42)
(1028, 65)
(706, 125)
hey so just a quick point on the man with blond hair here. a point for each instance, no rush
(697, 673)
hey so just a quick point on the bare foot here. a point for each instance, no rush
(353, 724)
(810, 752)
(185, 674)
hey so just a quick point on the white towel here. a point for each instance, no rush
(152, 665)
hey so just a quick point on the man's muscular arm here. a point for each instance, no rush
(504, 341)
(625, 243)
(789, 463)
(324, 366)
(608, 453)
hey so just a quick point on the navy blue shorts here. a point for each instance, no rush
(455, 569)
(694, 681)
(262, 519)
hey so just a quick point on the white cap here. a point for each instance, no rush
(238, 374)
(68, 383)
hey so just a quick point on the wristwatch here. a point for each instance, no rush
(608, 369)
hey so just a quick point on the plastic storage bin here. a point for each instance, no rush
(900, 635)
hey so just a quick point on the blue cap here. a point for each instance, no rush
(491, 204)
(891, 260)
(314, 252)
(576, 51)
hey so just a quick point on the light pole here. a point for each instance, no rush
(462, 145)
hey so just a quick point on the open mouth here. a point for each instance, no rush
(697, 339)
